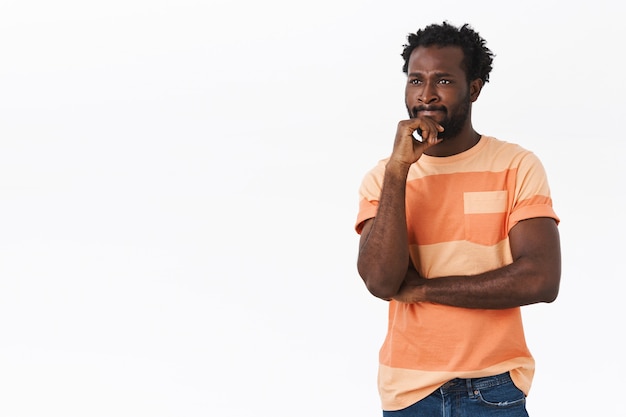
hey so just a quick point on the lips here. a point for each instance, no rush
(428, 111)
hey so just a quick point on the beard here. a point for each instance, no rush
(452, 123)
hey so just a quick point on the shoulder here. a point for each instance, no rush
(493, 144)
(508, 153)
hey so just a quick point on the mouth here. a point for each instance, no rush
(427, 111)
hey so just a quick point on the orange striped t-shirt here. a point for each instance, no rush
(459, 212)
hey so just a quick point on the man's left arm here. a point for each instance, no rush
(532, 277)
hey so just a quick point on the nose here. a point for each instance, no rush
(428, 93)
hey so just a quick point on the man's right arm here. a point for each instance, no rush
(383, 249)
(383, 258)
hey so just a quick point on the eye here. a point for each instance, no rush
(445, 82)
(415, 81)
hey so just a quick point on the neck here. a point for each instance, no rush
(455, 145)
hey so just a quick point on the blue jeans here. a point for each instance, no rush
(492, 396)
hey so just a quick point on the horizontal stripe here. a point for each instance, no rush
(459, 258)
(500, 340)
(538, 206)
(397, 391)
(436, 207)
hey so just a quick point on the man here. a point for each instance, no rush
(457, 232)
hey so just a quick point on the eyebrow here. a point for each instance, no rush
(437, 74)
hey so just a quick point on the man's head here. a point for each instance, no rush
(477, 57)
(446, 69)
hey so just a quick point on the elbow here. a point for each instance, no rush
(382, 279)
(550, 290)
(550, 294)
(383, 292)
(379, 284)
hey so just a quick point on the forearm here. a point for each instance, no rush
(520, 283)
(384, 252)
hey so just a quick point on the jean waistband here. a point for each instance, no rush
(462, 384)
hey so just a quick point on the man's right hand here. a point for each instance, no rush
(406, 149)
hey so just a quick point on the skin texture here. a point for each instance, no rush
(437, 92)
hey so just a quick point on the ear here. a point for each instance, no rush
(475, 88)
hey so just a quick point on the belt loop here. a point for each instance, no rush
(470, 389)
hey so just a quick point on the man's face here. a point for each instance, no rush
(437, 87)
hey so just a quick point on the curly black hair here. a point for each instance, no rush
(478, 58)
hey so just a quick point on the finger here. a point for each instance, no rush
(425, 127)
(429, 134)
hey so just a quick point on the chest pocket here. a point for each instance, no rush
(485, 216)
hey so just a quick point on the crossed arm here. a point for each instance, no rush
(384, 264)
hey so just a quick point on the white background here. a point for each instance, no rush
(178, 189)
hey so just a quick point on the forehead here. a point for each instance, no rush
(425, 59)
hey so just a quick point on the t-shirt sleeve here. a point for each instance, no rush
(369, 194)
(532, 192)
